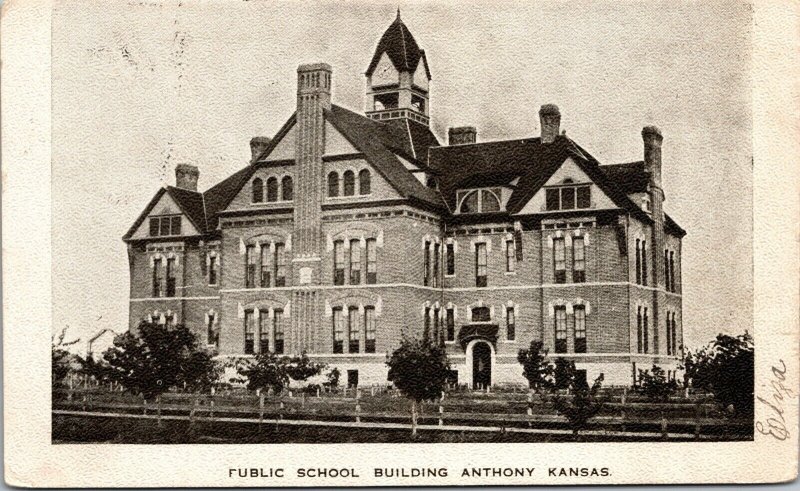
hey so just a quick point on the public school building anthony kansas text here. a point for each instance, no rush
(347, 231)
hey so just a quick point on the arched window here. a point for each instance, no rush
(490, 202)
(333, 184)
(287, 189)
(258, 190)
(470, 203)
(364, 182)
(349, 183)
(272, 189)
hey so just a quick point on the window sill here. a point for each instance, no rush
(510, 273)
(510, 341)
(450, 275)
(354, 196)
(268, 203)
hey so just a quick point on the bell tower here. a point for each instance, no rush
(398, 78)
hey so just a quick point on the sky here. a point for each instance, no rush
(141, 86)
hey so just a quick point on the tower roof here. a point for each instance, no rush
(398, 43)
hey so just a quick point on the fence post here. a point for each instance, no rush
(317, 392)
(697, 420)
(192, 410)
(211, 404)
(358, 412)
(663, 426)
(622, 418)
(260, 409)
(441, 413)
(280, 413)
(144, 405)
(158, 408)
(624, 395)
(372, 391)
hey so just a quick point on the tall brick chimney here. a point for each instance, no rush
(652, 138)
(313, 100)
(550, 121)
(462, 135)
(186, 177)
(257, 145)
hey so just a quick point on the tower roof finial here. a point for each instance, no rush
(398, 13)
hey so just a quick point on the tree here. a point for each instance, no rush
(653, 383)
(564, 374)
(419, 370)
(62, 359)
(726, 368)
(535, 366)
(582, 405)
(269, 371)
(159, 358)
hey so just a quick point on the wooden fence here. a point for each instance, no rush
(682, 418)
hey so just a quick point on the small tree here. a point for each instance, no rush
(535, 366)
(582, 405)
(159, 358)
(419, 370)
(62, 359)
(726, 368)
(269, 371)
(332, 378)
(564, 374)
(653, 383)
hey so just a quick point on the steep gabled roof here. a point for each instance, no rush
(370, 138)
(218, 197)
(189, 202)
(401, 48)
(631, 177)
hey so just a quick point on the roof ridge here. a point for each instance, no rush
(462, 145)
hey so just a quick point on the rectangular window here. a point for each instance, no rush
(263, 331)
(644, 262)
(426, 263)
(645, 331)
(338, 262)
(437, 251)
(674, 335)
(154, 226)
(280, 265)
(353, 330)
(250, 267)
(450, 259)
(511, 257)
(372, 261)
(481, 262)
(171, 277)
(561, 329)
(666, 271)
(355, 262)
(481, 314)
(669, 335)
(552, 202)
(656, 337)
(451, 325)
(370, 328)
(580, 329)
(277, 328)
(249, 332)
(511, 324)
(583, 197)
(212, 270)
(639, 336)
(672, 271)
(437, 333)
(426, 329)
(176, 225)
(559, 260)
(638, 262)
(266, 267)
(212, 337)
(156, 278)
(338, 330)
(567, 198)
(578, 260)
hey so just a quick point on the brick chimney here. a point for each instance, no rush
(186, 177)
(651, 137)
(550, 121)
(462, 135)
(257, 145)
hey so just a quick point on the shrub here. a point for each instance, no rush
(419, 370)
(653, 383)
(62, 360)
(564, 374)
(725, 367)
(582, 405)
(159, 358)
(333, 378)
(535, 367)
(269, 371)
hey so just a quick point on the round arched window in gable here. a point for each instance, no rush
(272, 189)
(333, 185)
(258, 190)
(489, 202)
(469, 204)
(349, 183)
(364, 182)
(287, 189)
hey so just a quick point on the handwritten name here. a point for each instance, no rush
(775, 424)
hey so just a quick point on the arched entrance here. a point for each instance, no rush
(481, 365)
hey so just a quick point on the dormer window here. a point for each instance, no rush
(387, 101)
(479, 200)
(568, 197)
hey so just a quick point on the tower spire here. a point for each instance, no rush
(398, 13)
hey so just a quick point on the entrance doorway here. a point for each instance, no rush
(481, 365)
